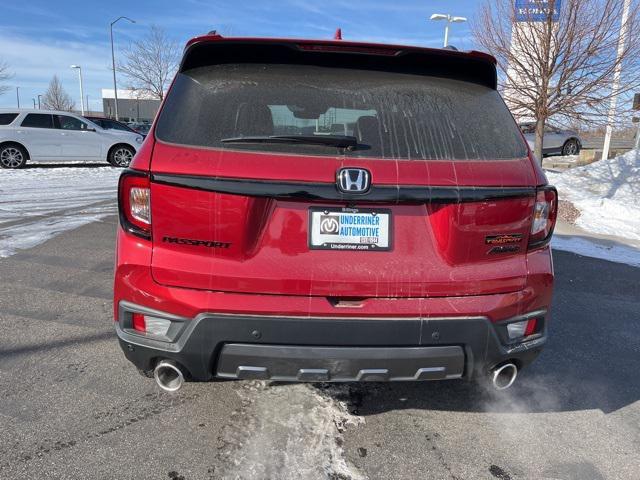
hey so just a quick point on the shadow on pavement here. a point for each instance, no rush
(53, 345)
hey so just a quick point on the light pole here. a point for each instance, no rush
(79, 68)
(18, 96)
(622, 41)
(113, 63)
(449, 19)
(39, 101)
(34, 103)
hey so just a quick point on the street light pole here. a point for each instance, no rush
(79, 68)
(34, 103)
(113, 63)
(622, 41)
(18, 96)
(449, 19)
(39, 101)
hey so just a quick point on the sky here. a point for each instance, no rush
(40, 38)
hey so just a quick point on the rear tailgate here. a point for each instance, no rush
(238, 218)
(438, 247)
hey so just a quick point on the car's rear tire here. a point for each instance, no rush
(12, 156)
(121, 155)
(571, 147)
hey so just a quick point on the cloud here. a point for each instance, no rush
(35, 60)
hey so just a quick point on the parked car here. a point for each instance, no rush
(555, 141)
(141, 128)
(111, 124)
(258, 240)
(52, 136)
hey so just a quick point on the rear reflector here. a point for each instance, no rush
(531, 327)
(138, 322)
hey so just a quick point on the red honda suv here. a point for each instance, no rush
(333, 211)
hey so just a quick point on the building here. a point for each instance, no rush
(133, 105)
(529, 17)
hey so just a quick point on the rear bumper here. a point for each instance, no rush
(396, 334)
(328, 349)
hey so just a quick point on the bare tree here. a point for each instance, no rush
(150, 63)
(4, 76)
(56, 98)
(561, 65)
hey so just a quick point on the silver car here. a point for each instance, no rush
(53, 136)
(555, 142)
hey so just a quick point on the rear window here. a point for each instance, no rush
(392, 115)
(7, 118)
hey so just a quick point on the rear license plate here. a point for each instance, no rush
(349, 229)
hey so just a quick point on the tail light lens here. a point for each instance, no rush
(134, 203)
(545, 212)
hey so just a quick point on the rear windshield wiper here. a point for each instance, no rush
(341, 141)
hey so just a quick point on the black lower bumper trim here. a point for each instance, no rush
(330, 349)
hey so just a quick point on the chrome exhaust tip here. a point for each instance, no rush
(168, 376)
(502, 377)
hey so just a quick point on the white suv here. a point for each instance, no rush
(51, 136)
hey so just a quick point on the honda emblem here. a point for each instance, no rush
(353, 180)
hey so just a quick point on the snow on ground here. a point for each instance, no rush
(589, 248)
(288, 431)
(40, 202)
(607, 193)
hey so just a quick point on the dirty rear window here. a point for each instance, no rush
(392, 115)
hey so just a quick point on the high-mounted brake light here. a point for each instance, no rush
(313, 47)
(545, 212)
(134, 203)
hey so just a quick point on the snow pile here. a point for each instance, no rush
(607, 193)
(289, 432)
(39, 203)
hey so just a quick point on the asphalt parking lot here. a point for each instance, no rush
(72, 407)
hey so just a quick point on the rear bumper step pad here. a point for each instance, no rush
(342, 364)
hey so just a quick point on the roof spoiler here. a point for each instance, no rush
(473, 66)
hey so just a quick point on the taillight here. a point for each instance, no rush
(545, 212)
(134, 203)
